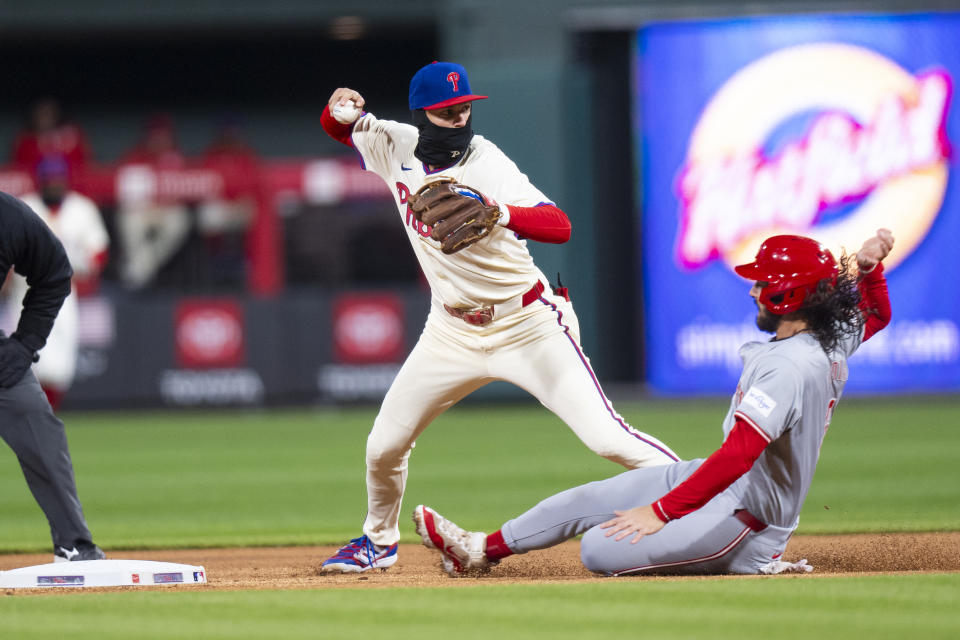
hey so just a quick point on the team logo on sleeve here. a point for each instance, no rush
(759, 400)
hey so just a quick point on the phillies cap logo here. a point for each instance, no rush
(876, 149)
(439, 85)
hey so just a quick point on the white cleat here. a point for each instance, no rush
(461, 551)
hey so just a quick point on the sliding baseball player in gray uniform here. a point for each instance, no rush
(735, 511)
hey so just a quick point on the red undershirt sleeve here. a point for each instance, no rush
(336, 130)
(875, 301)
(734, 458)
(543, 223)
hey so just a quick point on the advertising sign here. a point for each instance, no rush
(211, 350)
(369, 331)
(824, 126)
(368, 328)
(209, 334)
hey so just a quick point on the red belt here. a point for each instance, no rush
(533, 294)
(484, 315)
(749, 519)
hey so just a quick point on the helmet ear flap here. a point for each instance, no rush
(792, 267)
(784, 301)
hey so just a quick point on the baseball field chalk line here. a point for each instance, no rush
(102, 573)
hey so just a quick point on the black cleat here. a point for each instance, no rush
(79, 552)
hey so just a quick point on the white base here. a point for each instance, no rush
(102, 573)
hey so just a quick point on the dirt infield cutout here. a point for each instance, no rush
(298, 567)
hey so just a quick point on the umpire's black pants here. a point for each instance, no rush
(38, 438)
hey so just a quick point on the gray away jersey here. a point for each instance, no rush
(787, 392)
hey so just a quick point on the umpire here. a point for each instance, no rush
(27, 422)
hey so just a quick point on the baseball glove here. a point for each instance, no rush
(458, 215)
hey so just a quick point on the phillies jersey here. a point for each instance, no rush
(79, 227)
(787, 393)
(490, 272)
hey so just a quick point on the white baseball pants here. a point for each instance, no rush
(537, 349)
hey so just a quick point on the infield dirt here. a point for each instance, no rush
(299, 567)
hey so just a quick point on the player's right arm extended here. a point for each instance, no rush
(740, 450)
(735, 457)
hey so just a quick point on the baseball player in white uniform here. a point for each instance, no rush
(735, 511)
(76, 221)
(493, 314)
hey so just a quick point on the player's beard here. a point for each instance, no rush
(767, 321)
(441, 146)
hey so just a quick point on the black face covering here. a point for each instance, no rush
(53, 198)
(441, 146)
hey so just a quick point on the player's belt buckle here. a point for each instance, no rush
(484, 315)
(750, 520)
(476, 317)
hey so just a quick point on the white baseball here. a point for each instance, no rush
(345, 113)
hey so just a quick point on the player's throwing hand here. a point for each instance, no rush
(640, 520)
(341, 95)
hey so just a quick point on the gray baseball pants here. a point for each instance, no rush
(709, 540)
(39, 440)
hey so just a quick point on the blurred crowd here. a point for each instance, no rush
(116, 232)
(157, 240)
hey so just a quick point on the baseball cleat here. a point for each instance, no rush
(461, 551)
(359, 555)
(79, 553)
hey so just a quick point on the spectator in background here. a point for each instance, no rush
(77, 222)
(150, 228)
(48, 133)
(223, 222)
(158, 145)
(230, 155)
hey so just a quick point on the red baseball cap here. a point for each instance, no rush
(439, 85)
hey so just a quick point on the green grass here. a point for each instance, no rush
(876, 607)
(163, 479)
(153, 480)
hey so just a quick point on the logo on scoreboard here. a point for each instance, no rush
(870, 151)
